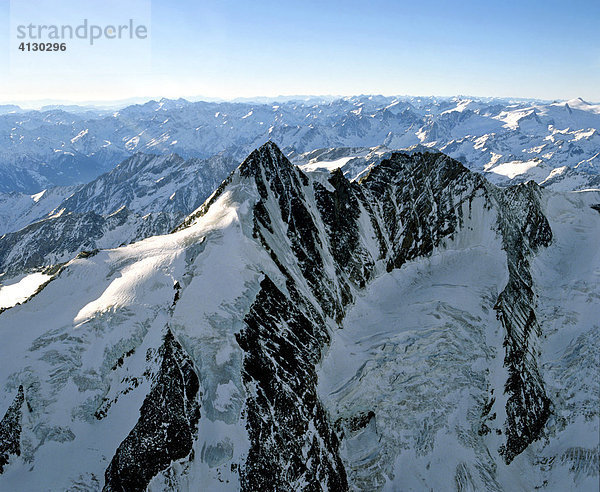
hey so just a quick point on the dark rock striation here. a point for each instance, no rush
(167, 425)
(412, 203)
(10, 430)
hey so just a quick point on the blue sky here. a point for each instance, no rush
(231, 48)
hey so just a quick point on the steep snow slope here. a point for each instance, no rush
(243, 350)
(21, 288)
(143, 196)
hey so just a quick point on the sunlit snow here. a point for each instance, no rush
(514, 168)
(22, 288)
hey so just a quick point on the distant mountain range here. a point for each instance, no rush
(556, 144)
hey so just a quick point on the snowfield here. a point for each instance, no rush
(103, 306)
(21, 288)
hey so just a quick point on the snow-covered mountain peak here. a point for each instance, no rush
(582, 104)
(267, 160)
(309, 331)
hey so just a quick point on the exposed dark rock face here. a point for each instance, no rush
(419, 201)
(286, 187)
(340, 212)
(412, 203)
(167, 425)
(292, 444)
(292, 441)
(10, 430)
(525, 229)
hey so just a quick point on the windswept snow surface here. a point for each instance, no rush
(19, 289)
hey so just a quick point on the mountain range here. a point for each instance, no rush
(143, 196)
(554, 143)
(347, 318)
(148, 194)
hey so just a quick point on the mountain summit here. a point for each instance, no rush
(300, 331)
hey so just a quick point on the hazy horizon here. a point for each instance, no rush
(258, 99)
(231, 49)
